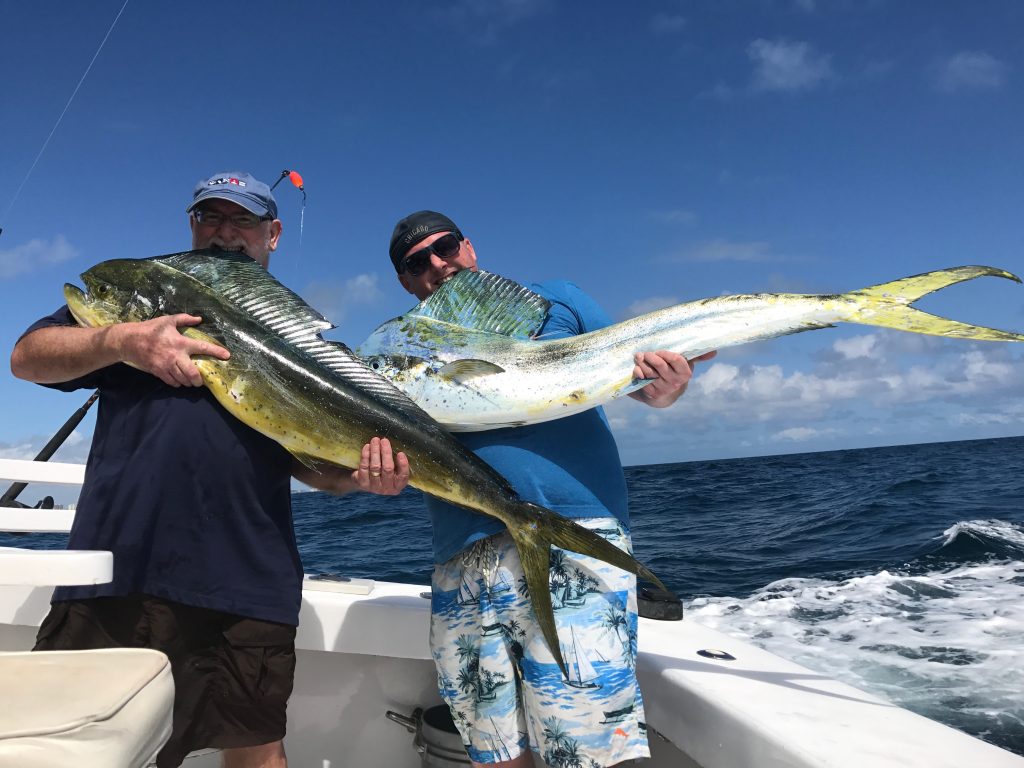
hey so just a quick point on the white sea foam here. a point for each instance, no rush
(947, 644)
(992, 529)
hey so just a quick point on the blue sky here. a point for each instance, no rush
(652, 152)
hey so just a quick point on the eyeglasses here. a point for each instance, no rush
(239, 220)
(446, 247)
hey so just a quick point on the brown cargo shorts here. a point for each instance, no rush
(232, 675)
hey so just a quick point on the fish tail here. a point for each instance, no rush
(534, 539)
(888, 305)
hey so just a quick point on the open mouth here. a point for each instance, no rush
(226, 249)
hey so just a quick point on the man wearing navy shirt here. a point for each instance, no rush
(483, 634)
(195, 506)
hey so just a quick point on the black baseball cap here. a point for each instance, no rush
(414, 228)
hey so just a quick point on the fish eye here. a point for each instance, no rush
(102, 290)
(375, 364)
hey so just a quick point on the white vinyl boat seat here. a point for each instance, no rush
(108, 708)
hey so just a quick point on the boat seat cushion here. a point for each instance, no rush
(109, 707)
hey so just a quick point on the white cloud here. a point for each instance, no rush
(33, 255)
(651, 304)
(970, 71)
(726, 250)
(799, 434)
(896, 398)
(667, 23)
(334, 298)
(23, 451)
(675, 217)
(487, 18)
(781, 65)
(75, 448)
(858, 347)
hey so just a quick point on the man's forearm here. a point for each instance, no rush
(336, 480)
(55, 354)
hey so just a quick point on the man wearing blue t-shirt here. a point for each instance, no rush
(195, 506)
(483, 634)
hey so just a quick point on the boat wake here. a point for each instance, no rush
(940, 636)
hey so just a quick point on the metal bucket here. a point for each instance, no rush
(437, 739)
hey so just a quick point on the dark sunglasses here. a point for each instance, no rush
(447, 247)
(239, 220)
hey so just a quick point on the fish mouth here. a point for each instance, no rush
(82, 307)
(74, 293)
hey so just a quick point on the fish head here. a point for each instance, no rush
(117, 291)
(397, 368)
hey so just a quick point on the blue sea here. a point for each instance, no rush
(898, 570)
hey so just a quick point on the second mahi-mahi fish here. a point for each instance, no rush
(319, 400)
(466, 354)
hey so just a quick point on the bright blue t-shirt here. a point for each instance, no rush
(568, 465)
(195, 505)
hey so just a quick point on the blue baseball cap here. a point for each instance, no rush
(236, 187)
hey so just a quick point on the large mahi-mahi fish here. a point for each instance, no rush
(319, 400)
(465, 355)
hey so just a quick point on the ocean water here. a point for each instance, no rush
(898, 570)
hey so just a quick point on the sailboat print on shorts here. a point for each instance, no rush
(581, 671)
(469, 591)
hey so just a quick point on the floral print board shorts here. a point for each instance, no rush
(502, 684)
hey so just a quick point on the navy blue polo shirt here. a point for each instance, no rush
(195, 505)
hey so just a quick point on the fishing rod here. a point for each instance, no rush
(8, 499)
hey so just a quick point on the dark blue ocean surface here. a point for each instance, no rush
(899, 570)
(730, 527)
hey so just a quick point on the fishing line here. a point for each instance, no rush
(46, 143)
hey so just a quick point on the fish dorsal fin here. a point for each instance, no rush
(235, 276)
(250, 287)
(487, 302)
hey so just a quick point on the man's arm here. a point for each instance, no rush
(62, 353)
(671, 373)
(380, 471)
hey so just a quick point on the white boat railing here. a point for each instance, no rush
(35, 567)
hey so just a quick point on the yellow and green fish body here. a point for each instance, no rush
(466, 356)
(318, 400)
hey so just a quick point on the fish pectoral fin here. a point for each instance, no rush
(312, 462)
(461, 371)
(195, 333)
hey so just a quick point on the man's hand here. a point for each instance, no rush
(671, 373)
(381, 471)
(158, 347)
